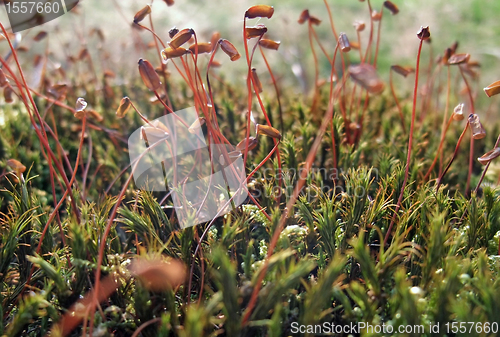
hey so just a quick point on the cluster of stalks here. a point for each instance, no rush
(352, 85)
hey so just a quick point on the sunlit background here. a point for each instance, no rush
(473, 23)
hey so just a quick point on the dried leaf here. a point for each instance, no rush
(173, 31)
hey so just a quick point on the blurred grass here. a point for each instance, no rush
(471, 22)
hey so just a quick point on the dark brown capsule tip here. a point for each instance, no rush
(424, 33)
(172, 32)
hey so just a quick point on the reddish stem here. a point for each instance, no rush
(400, 110)
(410, 144)
(452, 158)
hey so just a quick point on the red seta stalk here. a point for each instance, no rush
(410, 142)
